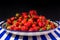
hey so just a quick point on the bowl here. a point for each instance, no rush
(37, 33)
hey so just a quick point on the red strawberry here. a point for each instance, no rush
(24, 28)
(17, 24)
(12, 27)
(52, 26)
(8, 21)
(35, 28)
(41, 24)
(24, 13)
(33, 25)
(27, 24)
(36, 16)
(30, 20)
(23, 21)
(32, 12)
(19, 20)
(12, 18)
(16, 28)
(31, 29)
(38, 20)
(25, 16)
(43, 28)
(42, 17)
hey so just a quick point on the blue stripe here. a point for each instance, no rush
(34, 37)
(43, 37)
(25, 37)
(0, 28)
(2, 33)
(8, 36)
(57, 33)
(16, 38)
(59, 29)
(52, 37)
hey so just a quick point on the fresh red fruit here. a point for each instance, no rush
(31, 29)
(17, 24)
(33, 12)
(24, 28)
(35, 16)
(47, 21)
(52, 26)
(12, 19)
(25, 16)
(33, 25)
(12, 27)
(24, 13)
(23, 21)
(35, 28)
(38, 20)
(43, 28)
(41, 24)
(19, 20)
(8, 21)
(42, 18)
(30, 20)
(27, 24)
(16, 28)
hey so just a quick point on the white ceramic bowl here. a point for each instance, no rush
(31, 33)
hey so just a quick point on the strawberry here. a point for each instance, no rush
(42, 17)
(12, 18)
(30, 20)
(35, 16)
(35, 28)
(23, 21)
(8, 21)
(32, 12)
(12, 27)
(17, 24)
(19, 20)
(33, 25)
(25, 16)
(31, 29)
(27, 24)
(38, 20)
(43, 28)
(16, 28)
(40, 24)
(24, 28)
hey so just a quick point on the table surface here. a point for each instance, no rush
(51, 36)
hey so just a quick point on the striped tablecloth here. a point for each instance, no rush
(51, 36)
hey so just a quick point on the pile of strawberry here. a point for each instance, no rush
(29, 21)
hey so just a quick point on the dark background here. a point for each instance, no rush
(49, 8)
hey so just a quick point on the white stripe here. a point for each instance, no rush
(12, 37)
(38, 38)
(48, 37)
(58, 31)
(1, 31)
(58, 38)
(30, 38)
(4, 36)
(1, 22)
(20, 38)
(54, 35)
